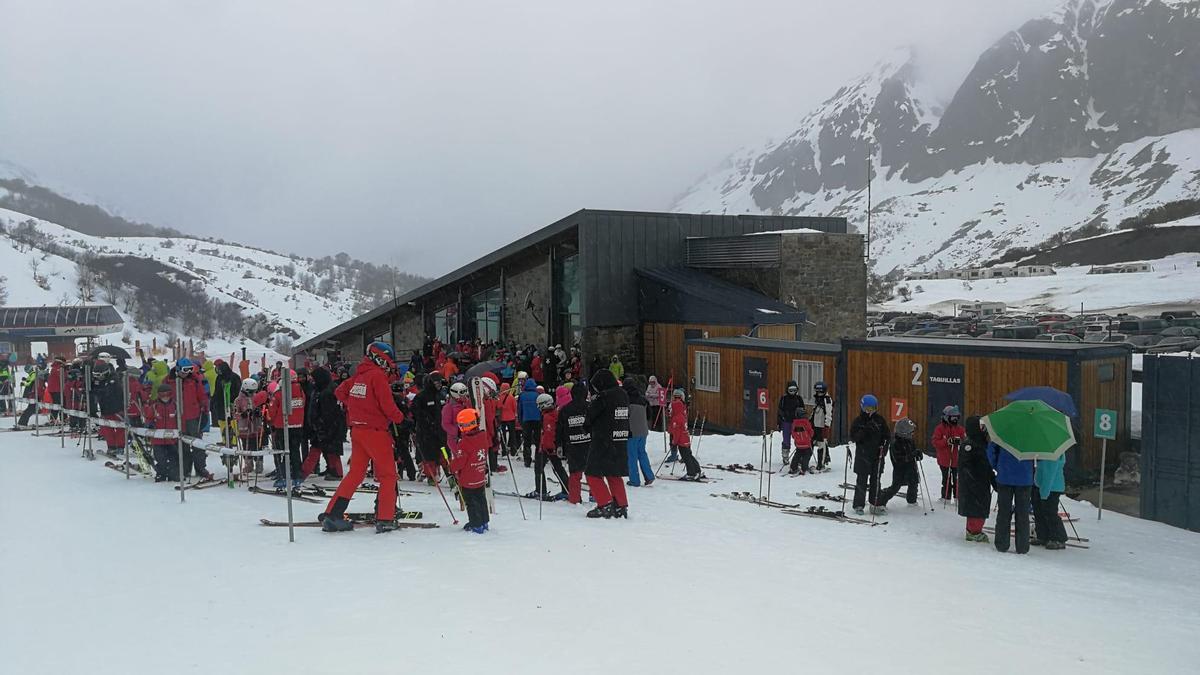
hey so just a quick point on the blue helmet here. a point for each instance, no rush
(869, 401)
(382, 354)
(183, 363)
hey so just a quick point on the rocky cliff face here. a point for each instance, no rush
(1075, 120)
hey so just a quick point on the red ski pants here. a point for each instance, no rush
(605, 493)
(113, 437)
(975, 525)
(333, 460)
(367, 446)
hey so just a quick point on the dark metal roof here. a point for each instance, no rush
(58, 317)
(696, 297)
(767, 345)
(1038, 349)
(548, 232)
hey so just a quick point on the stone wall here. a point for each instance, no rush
(409, 333)
(520, 324)
(623, 341)
(826, 275)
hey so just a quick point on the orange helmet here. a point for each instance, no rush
(468, 420)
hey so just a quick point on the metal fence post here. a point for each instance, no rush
(125, 417)
(179, 431)
(287, 449)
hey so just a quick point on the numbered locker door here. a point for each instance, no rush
(754, 377)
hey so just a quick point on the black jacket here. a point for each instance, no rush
(427, 421)
(225, 376)
(870, 434)
(325, 418)
(791, 406)
(975, 475)
(904, 451)
(108, 398)
(572, 432)
(608, 422)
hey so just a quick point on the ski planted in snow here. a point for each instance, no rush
(402, 524)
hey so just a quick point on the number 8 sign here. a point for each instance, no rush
(1106, 424)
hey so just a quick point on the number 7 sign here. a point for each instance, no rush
(899, 409)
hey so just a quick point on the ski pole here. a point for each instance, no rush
(438, 485)
(845, 479)
(512, 472)
(928, 497)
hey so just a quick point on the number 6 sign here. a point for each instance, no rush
(763, 402)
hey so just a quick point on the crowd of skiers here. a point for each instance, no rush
(972, 467)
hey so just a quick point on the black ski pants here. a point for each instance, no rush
(531, 437)
(1012, 500)
(293, 449)
(903, 476)
(477, 508)
(689, 460)
(949, 482)
(539, 472)
(1047, 525)
(403, 454)
(866, 486)
(193, 458)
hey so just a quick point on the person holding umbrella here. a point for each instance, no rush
(1021, 432)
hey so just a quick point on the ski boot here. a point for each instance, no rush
(280, 484)
(560, 497)
(1037, 542)
(1055, 546)
(879, 510)
(616, 511)
(480, 529)
(335, 524)
(858, 511)
(600, 512)
(297, 485)
(978, 537)
(382, 526)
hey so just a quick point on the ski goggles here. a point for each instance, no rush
(187, 370)
(870, 409)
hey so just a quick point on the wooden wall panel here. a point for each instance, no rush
(1111, 395)
(664, 351)
(890, 375)
(725, 409)
(784, 331)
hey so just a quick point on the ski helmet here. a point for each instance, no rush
(905, 428)
(165, 388)
(434, 380)
(489, 387)
(249, 385)
(793, 389)
(102, 371)
(382, 354)
(869, 402)
(185, 366)
(679, 393)
(522, 375)
(819, 387)
(545, 402)
(951, 414)
(458, 390)
(468, 420)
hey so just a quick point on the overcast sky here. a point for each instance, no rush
(424, 134)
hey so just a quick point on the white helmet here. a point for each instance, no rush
(458, 390)
(489, 388)
(522, 375)
(249, 385)
(545, 402)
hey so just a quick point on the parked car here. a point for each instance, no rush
(878, 331)
(1173, 344)
(1176, 314)
(1054, 316)
(1142, 326)
(1016, 332)
(1180, 331)
(1116, 337)
(1059, 337)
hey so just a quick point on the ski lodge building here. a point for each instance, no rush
(635, 284)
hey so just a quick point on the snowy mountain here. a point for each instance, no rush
(220, 295)
(1065, 127)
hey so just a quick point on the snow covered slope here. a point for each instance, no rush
(1174, 281)
(41, 261)
(689, 584)
(1074, 122)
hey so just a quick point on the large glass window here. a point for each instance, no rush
(484, 312)
(445, 324)
(567, 329)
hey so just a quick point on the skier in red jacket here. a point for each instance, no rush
(195, 403)
(946, 438)
(370, 411)
(469, 465)
(549, 451)
(161, 414)
(677, 429)
(295, 427)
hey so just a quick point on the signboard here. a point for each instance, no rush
(899, 409)
(764, 402)
(1106, 424)
(946, 386)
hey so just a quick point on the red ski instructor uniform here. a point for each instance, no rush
(370, 410)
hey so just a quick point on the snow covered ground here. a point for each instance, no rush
(105, 575)
(1175, 280)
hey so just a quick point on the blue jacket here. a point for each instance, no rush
(1009, 469)
(527, 402)
(1049, 476)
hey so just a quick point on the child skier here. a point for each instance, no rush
(249, 425)
(822, 423)
(905, 456)
(802, 439)
(469, 465)
(162, 414)
(680, 441)
(791, 408)
(508, 418)
(946, 439)
(549, 451)
(976, 480)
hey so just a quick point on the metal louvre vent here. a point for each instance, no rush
(759, 251)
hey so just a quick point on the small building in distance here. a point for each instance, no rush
(59, 328)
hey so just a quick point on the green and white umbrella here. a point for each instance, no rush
(1030, 430)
